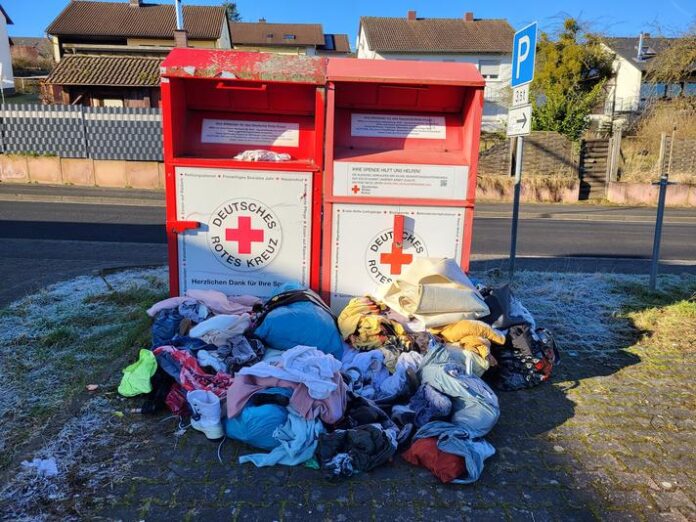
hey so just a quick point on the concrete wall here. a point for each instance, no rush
(150, 175)
(678, 195)
(496, 93)
(81, 171)
(534, 190)
(224, 42)
(6, 58)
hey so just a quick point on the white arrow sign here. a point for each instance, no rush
(519, 121)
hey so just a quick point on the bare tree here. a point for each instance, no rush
(676, 63)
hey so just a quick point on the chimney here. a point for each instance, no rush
(640, 48)
(135, 3)
(468, 16)
(179, 13)
(411, 15)
(181, 38)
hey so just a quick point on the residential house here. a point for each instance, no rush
(7, 76)
(108, 53)
(306, 39)
(628, 92)
(486, 43)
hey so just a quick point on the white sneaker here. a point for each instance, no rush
(206, 413)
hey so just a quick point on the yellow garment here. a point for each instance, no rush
(355, 310)
(374, 330)
(474, 336)
(364, 328)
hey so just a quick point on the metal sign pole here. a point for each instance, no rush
(516, 204)
(520, 116)
(654, 264)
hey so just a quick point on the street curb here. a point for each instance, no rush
(84, 200)
(594, 217)
(481, 214)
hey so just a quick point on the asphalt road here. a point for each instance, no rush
(43, 242)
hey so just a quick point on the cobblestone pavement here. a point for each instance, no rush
(611, 439)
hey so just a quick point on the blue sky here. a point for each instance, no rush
(615, 17)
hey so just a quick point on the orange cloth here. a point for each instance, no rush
(445, 466)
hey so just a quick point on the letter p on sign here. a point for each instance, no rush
(523, 55)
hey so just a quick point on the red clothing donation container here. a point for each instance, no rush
(242, 227)
(402, 143)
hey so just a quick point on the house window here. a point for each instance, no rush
(112, 102)
(288, 37)
(269, 35)
(489, 69)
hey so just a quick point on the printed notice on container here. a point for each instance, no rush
(398, 126)
(244, 132)
(395, 180)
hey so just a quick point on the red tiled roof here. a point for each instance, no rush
(425, 35)
(341, 43)
(263, 33)
(119, 19)
(112, 71)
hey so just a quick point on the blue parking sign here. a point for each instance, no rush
(523, 55)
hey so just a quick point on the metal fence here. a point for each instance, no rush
(70, 131)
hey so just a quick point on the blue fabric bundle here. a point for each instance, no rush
(429, 404)
(300, 323)
(255, 425)
(474, 405)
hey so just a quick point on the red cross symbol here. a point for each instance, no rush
(396, 258)
(355, 189)
(244, 235)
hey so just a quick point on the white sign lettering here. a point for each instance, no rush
(396, 180)
(520, 95)
(245, 132)
(398, 126)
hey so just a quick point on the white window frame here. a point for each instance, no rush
(489, 63)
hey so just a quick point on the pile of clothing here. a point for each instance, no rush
(410, 369)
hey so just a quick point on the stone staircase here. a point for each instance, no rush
(594, 155)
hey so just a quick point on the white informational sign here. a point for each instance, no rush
(520, 95)
(519, 121)
(255, 229)
(396, 180)
(398, 126)
(244, 132)
(363, 257)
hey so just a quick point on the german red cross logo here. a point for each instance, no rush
(244, 235)
(391, 250)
